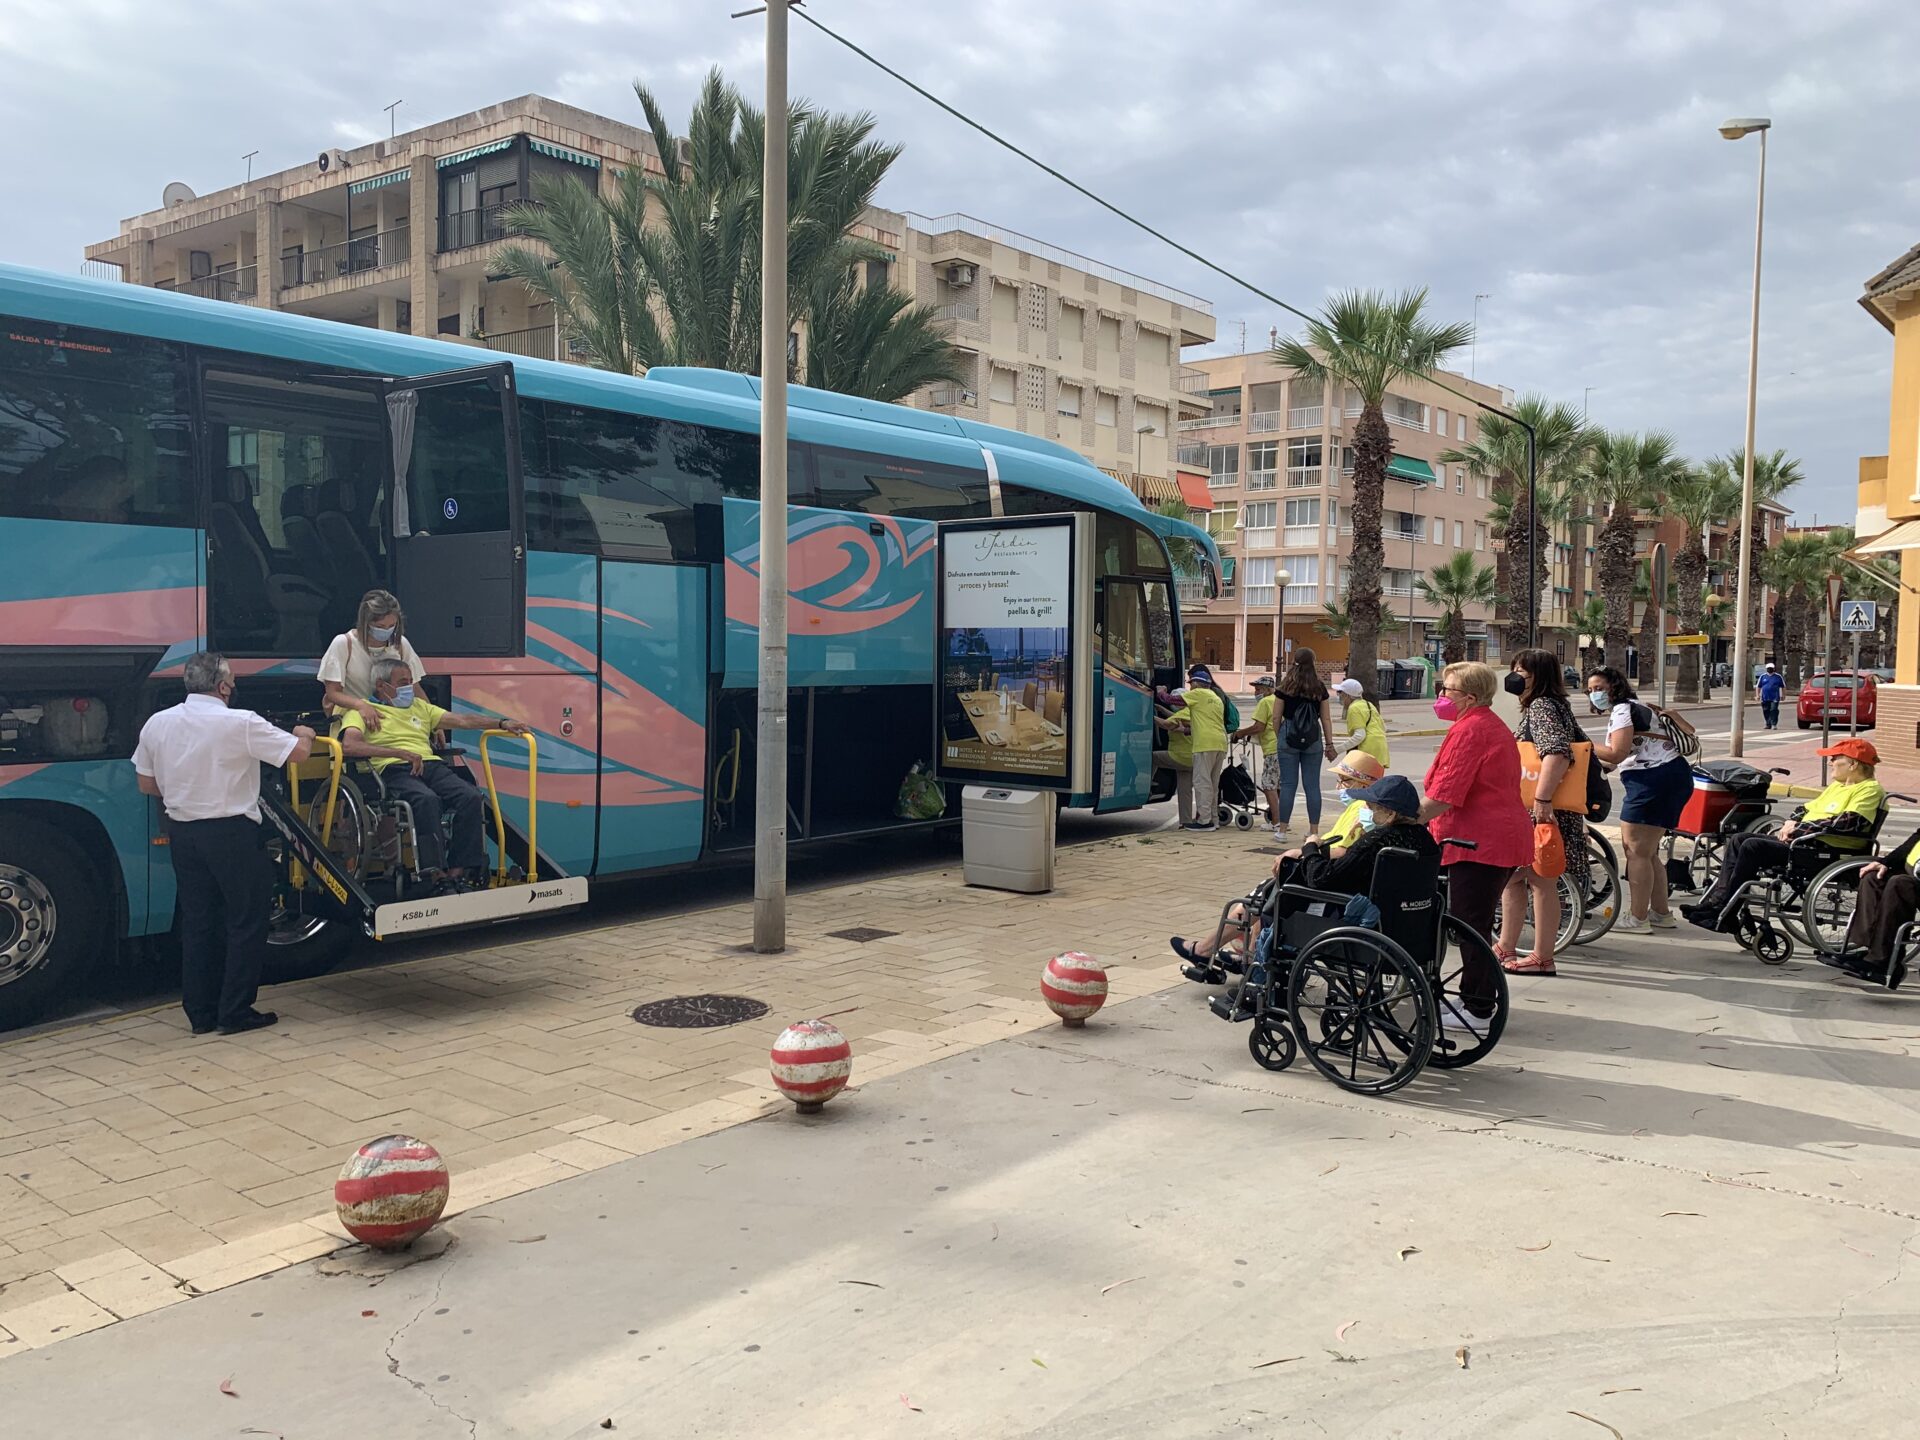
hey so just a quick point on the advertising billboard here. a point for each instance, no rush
(1006, 643)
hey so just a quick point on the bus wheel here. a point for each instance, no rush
(53, 918)
(300, 947)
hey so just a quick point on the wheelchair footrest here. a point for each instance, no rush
(1229, 1008)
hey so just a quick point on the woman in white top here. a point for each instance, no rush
(1657, 782)
(346, 670)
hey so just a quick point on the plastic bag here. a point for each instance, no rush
(921, 796)
(1549, 851)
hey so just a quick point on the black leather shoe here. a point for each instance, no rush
(205, 1029)
(251, 1020)
(1896, 972)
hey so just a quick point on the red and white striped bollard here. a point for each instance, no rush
(1074, 986)
(391, 1191)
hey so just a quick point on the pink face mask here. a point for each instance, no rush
(1447, 708)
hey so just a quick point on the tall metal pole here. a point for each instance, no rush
(1736, 740)
(1533, 542)
(770, 743)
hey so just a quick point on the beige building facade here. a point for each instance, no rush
(405, 234)
(1276, 451)
(1061, 346)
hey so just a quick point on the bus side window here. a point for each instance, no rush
(93, 426)
(1127, 634)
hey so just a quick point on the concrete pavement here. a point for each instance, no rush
(1678, 1201)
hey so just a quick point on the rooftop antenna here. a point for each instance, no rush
(248, 157)
(393, 123)
(1243, 337)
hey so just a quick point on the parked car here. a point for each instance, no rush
(1837, 693)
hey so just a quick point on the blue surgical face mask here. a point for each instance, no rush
(1600, 701)
(1367, 820)
(382, 634)
(403, 698)
(1348, 793)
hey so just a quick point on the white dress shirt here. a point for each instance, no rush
(206, 758)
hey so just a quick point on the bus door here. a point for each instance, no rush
(456, 518)
(1125, 677)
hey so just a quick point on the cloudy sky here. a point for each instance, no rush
(1558, 157)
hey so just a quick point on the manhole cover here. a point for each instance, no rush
(699, 1012)
(1269, 850)
(861, 934)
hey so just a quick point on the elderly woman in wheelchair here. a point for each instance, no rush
(1801, 882)
(1879, 937)
(1350, 959)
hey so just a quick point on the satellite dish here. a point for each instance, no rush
(176, 194)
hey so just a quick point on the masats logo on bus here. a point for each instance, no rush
(534, 893)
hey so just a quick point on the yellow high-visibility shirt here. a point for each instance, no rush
(410, 730)
(1865, 798)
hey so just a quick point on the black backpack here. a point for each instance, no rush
(1302, 730)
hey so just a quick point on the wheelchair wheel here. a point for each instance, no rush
(1244, 820)
(1456, 1047)
(1828, 909)
(1362, 1010)
(1703, 862)
(1600, 905)
(1222, 816)
(1271, 1042)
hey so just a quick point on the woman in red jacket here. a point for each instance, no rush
(1473, 793)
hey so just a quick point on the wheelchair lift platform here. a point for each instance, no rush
(325, 883)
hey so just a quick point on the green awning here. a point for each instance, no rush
(392, 177)
(1405, 467)
(1226, 568)
(474, 154)
(560, 152)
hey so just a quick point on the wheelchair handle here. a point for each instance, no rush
(1463, 844)
(1908, 798)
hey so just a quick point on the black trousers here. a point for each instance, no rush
(441, 790)
(1473, 894)
(1884, 904)
(226, 903)
(1747, 856)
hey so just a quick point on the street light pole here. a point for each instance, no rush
(1736, 740)
(770, 741)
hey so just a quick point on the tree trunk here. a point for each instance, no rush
(1645, 644)
(1455, 648)
(1689, 577)
(1615, 554)
(1372, 450)
(1793, 638)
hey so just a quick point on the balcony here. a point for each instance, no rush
(463, 228)
(1192, 381)
(349, 257)
(1303, 477)
(1191, 454)
(959, 310)
(1211, 422)
(1414, 536)
(949, 396)
(1263, 479)
(1227, 481)
(1263, 422)
(1305, 417)
(235, 286)
(536, 343)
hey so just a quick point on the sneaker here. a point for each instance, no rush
(1196, 825)
(1281, 832)
(1628, 925)
(1663, 920)
(1460, 1022)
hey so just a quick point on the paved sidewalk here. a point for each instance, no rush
(140, 1165)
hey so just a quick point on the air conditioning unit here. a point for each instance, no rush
(960, 274)
(331, 160)
(967, 397)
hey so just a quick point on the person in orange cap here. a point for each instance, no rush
(1843, 817)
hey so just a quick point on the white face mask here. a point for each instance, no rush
(1600, 701)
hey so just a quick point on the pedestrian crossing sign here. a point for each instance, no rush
(1857, 616)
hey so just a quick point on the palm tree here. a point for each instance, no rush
(1699, 497)
(1367, 341)
(1773, 475)
(1182, 552)
(1797, 567)
(665, 270)
(1336, 626)
(1624, 471)
(1499, 453)
(1453, 585)
(1591, 620)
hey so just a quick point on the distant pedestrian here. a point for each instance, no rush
(1365, 729)
(203, 759)
(1770, 688)
(1306, 734)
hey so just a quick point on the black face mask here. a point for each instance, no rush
(1516, 683)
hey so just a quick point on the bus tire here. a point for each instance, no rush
(306, 957)
(55, 919)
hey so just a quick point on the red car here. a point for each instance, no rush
(1837, 693)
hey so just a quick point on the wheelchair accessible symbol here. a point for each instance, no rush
(450, 508)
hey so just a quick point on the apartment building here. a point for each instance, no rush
(1062, 346)
(1277, 455)
(405, 234)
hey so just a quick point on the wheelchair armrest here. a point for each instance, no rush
(1305, 892)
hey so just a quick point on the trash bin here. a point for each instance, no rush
(1006, 838)
(1383, 679)
(1409, 679)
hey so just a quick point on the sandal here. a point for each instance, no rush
(1505, 956)
(1528, 965)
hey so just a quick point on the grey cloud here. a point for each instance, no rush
(1559, 155)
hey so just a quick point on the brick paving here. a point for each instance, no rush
(140, 1166)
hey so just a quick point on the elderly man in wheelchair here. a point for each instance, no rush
(1788, 877)
(1350, 958)
(429, 792)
